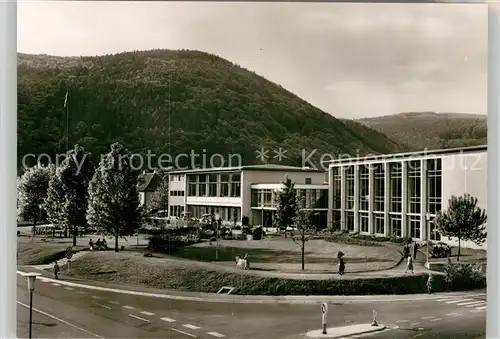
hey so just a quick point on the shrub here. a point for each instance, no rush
(346, 239)
(462, 276)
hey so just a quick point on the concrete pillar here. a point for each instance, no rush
(404, 187)
(387, 199)
(356, 198)
(342, 197)
(329, 214)
(423, 200)
(371, 199)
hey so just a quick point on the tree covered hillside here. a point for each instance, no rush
(420, 130)
(173, 102)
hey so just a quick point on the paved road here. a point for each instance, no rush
(84, 313)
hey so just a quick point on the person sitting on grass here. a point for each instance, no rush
(104, 244)
(98, 244)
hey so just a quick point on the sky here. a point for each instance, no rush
(350, 60)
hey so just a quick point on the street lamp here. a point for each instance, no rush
(217, 221)
(428, 231)
(31, 287)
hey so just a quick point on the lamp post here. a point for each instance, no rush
(428, 231)
(217, 221)
(31, 287)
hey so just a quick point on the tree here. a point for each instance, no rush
(32, 191)
(113, 198)
(159, 200)
(463, 219)
(75, 174)
(286, 205)
(54, 202)
(304, 231)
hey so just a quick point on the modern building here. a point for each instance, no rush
(400, 194)
(234, 192)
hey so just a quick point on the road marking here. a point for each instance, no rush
(69, 288)
(81, 292)
(114, 302)
(481, 308)
(414, 324)
(458, 301)
(103, 306)
(147, 313)
(444, 299)
(128, 307)
(437, 319)
(191, 327)
(426, 318)
(402, 321)
(43, 279)
(475, 311)
(189, 334)
(452, 314)
(136, 317)
(457, 315)
(215, 334)
(471, 303)
(475, 304)
(95, 297)
(54, 284)
(168, 320)
(60, 320)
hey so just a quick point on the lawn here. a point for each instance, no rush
(35, 251)
(280, 254)
(163, 272)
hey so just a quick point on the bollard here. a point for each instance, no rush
(69, 266)
(324, 312)
(374, 322)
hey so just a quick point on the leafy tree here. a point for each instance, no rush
(463, 219)
(32, 191)
(75, 174)
(159, 200)
(54, 202)
(286, 205)
(113, 198)
(304, 230)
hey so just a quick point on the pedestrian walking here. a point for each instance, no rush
(409, 264)
(56, 270)
(429, 283)
(406, 251)
(415, 250)
(340, 256)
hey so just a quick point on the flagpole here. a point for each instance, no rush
(67, 121)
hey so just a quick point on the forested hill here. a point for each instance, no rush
(420, 130)
(174, 102)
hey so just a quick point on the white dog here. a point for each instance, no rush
(242, 263)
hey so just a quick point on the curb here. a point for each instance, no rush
(374, 330)
(230, 299)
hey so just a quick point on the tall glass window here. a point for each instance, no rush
(192, 185)
(396, 178)
(337, 188)
(379, 223)
(364, 181)
(434, 188)
(379, 187)
(336, 220)
(414, 224)
(364, 222)
(349, 220)
(202, 185)
(224, 185)
(212, 185)
(396, 225)
(414, 182)
(349, 181)
(235, 185)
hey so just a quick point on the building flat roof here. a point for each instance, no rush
(265, 167)
(425, 152)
